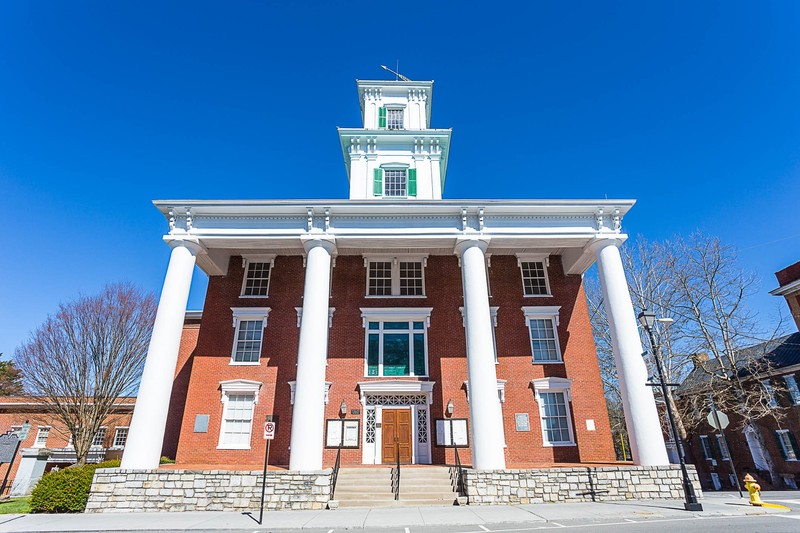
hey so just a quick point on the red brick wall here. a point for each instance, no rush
(446, 359)
(180, 388)
(788, 274)
(12, 415)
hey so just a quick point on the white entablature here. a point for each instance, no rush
(553, 227)
(395, 155)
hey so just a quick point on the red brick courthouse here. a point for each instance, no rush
(395, 323)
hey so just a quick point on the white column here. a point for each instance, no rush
(641, 415)
(486, 418)
(308, 413)
(143, 449)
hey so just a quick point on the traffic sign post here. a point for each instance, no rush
(720, 421)
(270, 427)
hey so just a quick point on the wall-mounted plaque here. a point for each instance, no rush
(522, 422)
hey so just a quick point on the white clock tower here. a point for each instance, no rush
(395, 155)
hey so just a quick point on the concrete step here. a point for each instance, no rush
(396, 503)
(371, 487)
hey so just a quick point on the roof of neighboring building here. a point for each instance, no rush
(789, 279)
(777, 353)
(34, 403)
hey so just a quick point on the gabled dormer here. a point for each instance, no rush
(395, 155)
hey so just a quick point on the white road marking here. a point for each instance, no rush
(557, 524)
(482, 527)
(793, 516)
(629, 520)
(407, 530)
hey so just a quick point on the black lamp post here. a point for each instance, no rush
(648, 320)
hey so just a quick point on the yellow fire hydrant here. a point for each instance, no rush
(754, 489)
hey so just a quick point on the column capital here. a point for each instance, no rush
(191, 244)
(463, 243)
(312, 241)
(601, 242)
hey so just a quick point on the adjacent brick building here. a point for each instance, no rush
(394, 323)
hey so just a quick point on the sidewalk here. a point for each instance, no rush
(381, 517)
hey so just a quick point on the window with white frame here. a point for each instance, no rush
(723, 448)
(120, 437)
(770, 392)
(705, 444)
(394, 118)
(239, 398)
(542, 323)
(395, 276)
(395, 182)
(553, 396)
(788, 445)
(791, 386)
(41, 437)
(99, 438)
(257, 271)
(493, 312)
(396, 341)
(534, 274)
(249, 324)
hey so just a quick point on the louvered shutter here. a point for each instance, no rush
(382, 117)
(377, 182)
(794, 444)
(412, 181)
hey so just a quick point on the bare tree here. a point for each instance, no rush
(88, 355)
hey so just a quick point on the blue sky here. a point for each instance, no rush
(691, 108)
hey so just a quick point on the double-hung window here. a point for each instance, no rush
(239, 398)
(787, 445)
(723, 448)
(493, 312)
(533, 268)
(41, 437)
(257, 270)
(249, 324)
(120, 437)
(395, 276)
(394, 181)
(769, 392)
(791, 386)
(542, 323)
(705, 444)
(553, 396)
(99, 438)
(391, 117)
(396, 341)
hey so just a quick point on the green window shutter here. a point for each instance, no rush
(377, 182)
(381, 117)
(780, 445)
(412, 181)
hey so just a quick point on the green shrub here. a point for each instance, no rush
(67, 490)
(166, 460)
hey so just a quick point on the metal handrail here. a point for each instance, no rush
(396, 471)
(335, 473)
(460, 479)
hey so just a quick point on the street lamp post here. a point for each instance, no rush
(648, 320)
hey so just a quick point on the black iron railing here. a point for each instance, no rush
(335, 473)
(460, 489)
(396, 471)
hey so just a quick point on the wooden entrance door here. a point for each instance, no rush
(396, 435)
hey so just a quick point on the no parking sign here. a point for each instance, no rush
(269, 430)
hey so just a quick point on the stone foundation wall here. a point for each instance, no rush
(117, 490)
(547, 485)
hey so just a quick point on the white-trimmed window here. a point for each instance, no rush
(794, 390)
(99, 438)
(723, 448)
(770, 392)
(41, 437)
(542, 323)
(395, 182)
(705, 444)
(120, 437)
(788, 445)
(249, 324)
(257, 270)
(239, 398)
(533, 268)
(493, 312)
(396, 276)
(396, 341)
(553, 396)
(394, 118)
